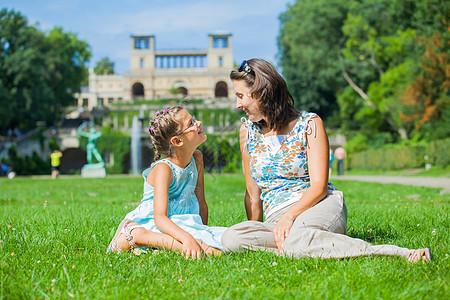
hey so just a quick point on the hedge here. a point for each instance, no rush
(27, 165)
(203, 114)
(222, 153)
(394, 158)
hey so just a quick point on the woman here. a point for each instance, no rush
(285, 157)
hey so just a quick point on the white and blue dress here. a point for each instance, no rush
(183, 207)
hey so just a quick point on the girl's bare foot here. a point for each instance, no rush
(208, 250)
(122, 242)
(141, 237)
(214, 252)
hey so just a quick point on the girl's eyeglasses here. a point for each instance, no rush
(193, 123)
(245, 67)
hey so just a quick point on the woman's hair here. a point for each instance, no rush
(162, 128)
(269, 88)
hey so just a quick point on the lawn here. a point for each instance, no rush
(54, 233)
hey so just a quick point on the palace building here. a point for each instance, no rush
(156, 74)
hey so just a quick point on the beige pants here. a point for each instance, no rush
(318, 232)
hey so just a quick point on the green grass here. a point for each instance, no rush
(54, 235)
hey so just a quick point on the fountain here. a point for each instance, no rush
(135, 146)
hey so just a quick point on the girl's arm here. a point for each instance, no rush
(317, 153)
(253, 203)
(160, 178)
(200, 187)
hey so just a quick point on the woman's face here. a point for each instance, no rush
(246, 102)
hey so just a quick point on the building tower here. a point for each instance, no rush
(142, 62)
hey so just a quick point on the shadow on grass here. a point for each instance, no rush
(372, 235)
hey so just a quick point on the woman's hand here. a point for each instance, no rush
(282, 229)
(191, 248)
(318, 162)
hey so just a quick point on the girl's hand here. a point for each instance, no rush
(282, 229)
(192, 249)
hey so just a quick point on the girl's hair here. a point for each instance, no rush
(162, 128)
(269, 88)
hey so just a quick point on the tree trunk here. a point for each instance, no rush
(399, 129)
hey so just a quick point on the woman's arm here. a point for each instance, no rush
(200, 187)
(160, 178)
(317, 153)
(253, 204)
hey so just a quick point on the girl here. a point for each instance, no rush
(173, 213)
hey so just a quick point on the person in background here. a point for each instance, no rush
(340, 155)
(6, 171)
(55, 160)
(331, 161)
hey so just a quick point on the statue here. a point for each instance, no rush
(92, 136)
(91, 169)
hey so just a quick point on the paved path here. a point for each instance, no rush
(435, 182)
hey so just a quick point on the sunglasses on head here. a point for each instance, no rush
(245, 67)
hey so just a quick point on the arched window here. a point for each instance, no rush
(138, 91)
(221, 90)
(183, 90)
(73, 159)
(182, 87)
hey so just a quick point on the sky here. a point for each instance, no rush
(108, 24)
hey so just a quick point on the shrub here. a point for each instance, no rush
(401, 157)
(222, 153)
(117, 143)
(27, 165)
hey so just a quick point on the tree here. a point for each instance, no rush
(381, 59)
(376, 63)
(362, 55)
(38, 72)
(104, 67)
(427, 98)
(67, 57)
(174, 91)
(22, 66)
(309, 42)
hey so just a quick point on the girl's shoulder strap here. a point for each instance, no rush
(193, 161)
(147, 171)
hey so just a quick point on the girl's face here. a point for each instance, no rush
(191, 129)
(246, 102)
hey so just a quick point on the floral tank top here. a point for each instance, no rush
(282, 175)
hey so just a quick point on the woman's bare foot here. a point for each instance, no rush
(423, 255)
